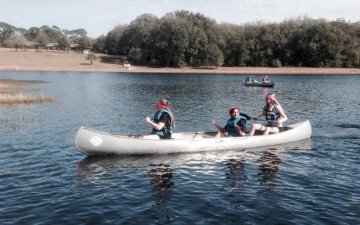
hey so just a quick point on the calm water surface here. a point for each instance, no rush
(45, 180)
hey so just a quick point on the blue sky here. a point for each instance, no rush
(99, 17)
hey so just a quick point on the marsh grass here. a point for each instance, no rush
(5, 88)
(23, 99)
(11, 92)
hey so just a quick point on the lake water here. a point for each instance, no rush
(45, 180)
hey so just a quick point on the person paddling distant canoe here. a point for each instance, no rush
(265, 78)
(249, 80)
(164, 120)
(235, 125)
(274, 115)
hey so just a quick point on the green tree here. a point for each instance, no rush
(135, 55)
(84, 42)
(91, 57)
(52, 34)
(99, 44)
(174, 32)
(138, 35)
(112, 40)
(17, 40)
(215, 56)
(63, 43)
(182, 38)
(33, 33)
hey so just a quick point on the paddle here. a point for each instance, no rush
(250, 118)
(246, 116)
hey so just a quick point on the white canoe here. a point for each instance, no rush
(94, 142)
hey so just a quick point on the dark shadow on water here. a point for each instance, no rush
(269, 166)
(116, 162)
(100, 169)
(356, 126)
(159, 170)
(343, 131)
(298, 145)
(92, 167)
(235, 172)
(349, 133)
(161, 179)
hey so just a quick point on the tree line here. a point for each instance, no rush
(182, 38)
(35, 37)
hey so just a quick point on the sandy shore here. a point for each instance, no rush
(43, 60)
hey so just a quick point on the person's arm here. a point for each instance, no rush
(283, 116)
(165, 117)
(218, 126)
(240, 127)
(156, 126)
(257, 117)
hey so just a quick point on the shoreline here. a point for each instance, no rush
(59, 61)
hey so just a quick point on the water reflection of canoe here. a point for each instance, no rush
(94, 142)
(259, 84)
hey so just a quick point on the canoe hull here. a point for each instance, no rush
(94, 142)
(260, 84)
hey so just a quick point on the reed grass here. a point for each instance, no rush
(11, 92)
(20, 82)
(22, 99)
(6, 88)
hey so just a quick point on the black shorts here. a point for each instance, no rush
(166, 136)
(272, 124)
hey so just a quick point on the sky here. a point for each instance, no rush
(98, 17)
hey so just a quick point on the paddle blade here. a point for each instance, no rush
(245, 116)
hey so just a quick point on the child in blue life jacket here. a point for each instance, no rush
(235, 125)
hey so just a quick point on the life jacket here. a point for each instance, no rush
(231, 124)
(272, 114)
(167, 127)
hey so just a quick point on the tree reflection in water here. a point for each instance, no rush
(160, 177)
